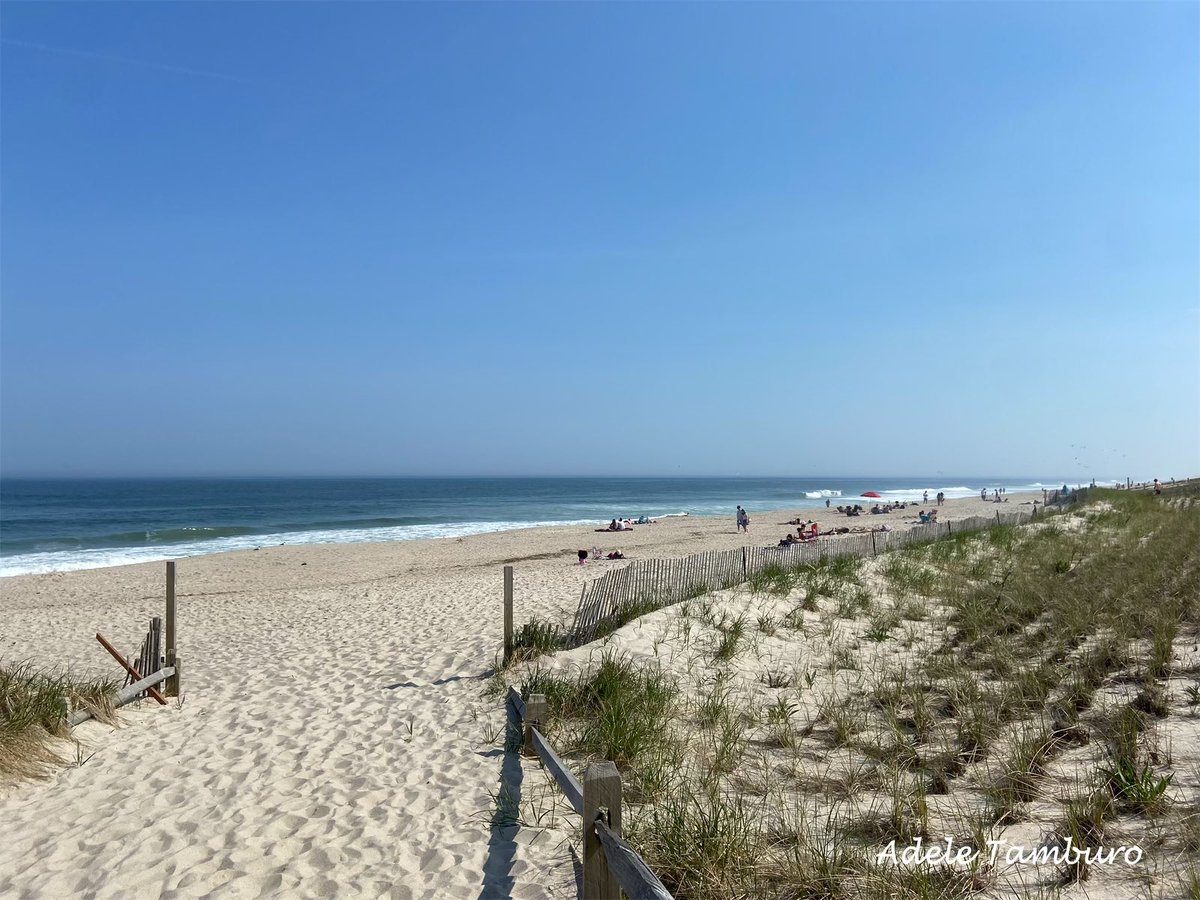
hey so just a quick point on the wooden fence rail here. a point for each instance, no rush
(631, 871)
(610, 866)
(126, 694)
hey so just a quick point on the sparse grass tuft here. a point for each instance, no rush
(33, 712)
(535, 638)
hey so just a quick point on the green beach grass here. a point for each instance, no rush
(1002, 685)
(33, 716)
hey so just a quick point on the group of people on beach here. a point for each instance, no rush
(743, 520)
(998, 494)
(805, 534)
(627, 524)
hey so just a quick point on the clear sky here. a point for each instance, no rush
(609, 239)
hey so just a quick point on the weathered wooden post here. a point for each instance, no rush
(535, 715)
(508, 613)
(874, 552)
(171, 686)
(997, 517)
(601, 798)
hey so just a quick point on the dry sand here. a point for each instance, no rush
(334, 738)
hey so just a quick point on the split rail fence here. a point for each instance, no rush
(648, 584)
(610, 866)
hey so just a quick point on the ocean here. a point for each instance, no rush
(61, 525)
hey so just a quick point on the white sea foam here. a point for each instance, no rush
(817, 495)
(73, 560)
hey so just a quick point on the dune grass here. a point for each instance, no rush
(619, 712)
(33, 713)
(1031, 632)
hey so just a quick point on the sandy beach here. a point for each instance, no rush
(334, 737)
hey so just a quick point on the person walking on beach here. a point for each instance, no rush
(741, 519)
(983, 493)
(925, 497)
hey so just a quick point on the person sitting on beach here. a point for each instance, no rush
(616, 554)
(877, 509)
(933, 515)
(612, 526)
(922, 518)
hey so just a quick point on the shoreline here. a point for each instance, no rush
(260, 543)
(591, 533)
(63, 547)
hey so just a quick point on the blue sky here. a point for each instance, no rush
(610, 239)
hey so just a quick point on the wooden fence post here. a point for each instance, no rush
(508, 613)
(874, 552)
(601, 791)
(997, 517)
(171, 687)
(535, 716)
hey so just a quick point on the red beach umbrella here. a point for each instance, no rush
(875, 494)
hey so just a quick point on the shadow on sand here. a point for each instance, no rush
(502, 846)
